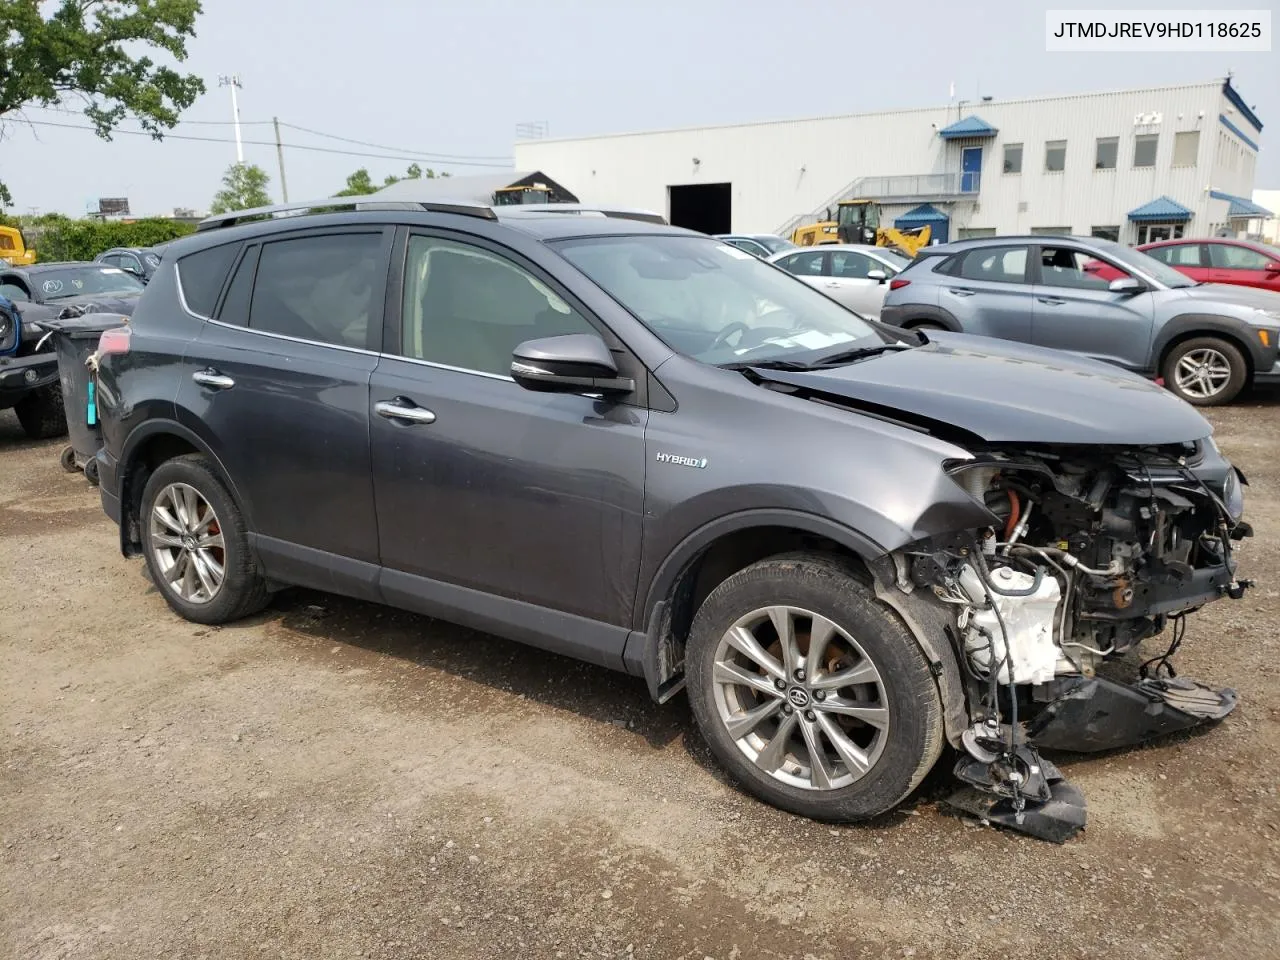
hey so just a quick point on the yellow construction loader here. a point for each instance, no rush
(858, 221)
(14, 249)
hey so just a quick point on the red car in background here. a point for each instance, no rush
(1216, 260)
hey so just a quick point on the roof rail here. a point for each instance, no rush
(364, 202)
(620, 213)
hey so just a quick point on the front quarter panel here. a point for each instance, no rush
(735, 455)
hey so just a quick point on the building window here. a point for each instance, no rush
(1052, 231)
(1105, 233)
(972, 233)
(1155, 232)
(1108, 150)
(1144, 149)
(1013, 158)
(1055, 156)
(1186, 147)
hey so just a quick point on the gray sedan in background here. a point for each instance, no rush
(1207, 341)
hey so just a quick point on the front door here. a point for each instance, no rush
(278, 386)
(1238, 264)
(1076, 311)
(849, 283)
(971, 170)
(489, 495)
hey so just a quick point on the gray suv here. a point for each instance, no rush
(1098, 299)
(638, 446)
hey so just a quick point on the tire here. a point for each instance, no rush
(67, 459)
(91, 471)
(896, 757)
(41, 413)
(1205, 371)
(242, 590)
(924, 325)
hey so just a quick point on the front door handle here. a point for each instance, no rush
(1052, 301)
(405, 410)
(833, 285)
(960, 291)
(212, 378)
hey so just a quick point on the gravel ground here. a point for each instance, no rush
(335, 779)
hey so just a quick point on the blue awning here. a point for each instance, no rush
(972, 127)
(1240, 209)
(1161, 209)
(925, 213)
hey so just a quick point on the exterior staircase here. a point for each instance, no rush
(913, 188)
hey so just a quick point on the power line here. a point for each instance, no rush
(271, 143)
(382, 146)
(203, 123)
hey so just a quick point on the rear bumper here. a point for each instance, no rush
(20, 375)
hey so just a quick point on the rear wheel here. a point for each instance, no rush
(1205, 371)
(41, 413)
(196, 544)
(810, 692)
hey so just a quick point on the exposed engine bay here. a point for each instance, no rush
(1091, 551)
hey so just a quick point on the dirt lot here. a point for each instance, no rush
(334, 779)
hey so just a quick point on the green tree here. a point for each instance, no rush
(361, 183)
(244, 185)
(97, 51)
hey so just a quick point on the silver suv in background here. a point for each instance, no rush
(1207, 341)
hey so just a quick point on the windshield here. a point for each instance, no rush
(859, 214)
(775, 244)
(716, 303)
(1148, 265)
(895, 260)
(79, 281)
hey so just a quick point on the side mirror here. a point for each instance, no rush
(574, 363)
(1126, 285)
(878, 275)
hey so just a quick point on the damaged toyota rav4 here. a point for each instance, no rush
(853, 546)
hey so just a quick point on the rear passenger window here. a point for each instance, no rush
(995, 265)
(323, 288)
(202, 274)
(804, 264)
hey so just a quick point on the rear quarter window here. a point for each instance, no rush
(202, 274)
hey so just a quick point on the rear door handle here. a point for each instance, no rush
(404, 410)
(1052, 301)
(833, 285)
(212, 378)
(960, 291)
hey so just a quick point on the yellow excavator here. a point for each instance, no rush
(858, 221)
(14, 249)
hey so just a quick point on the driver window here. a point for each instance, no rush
(851, 266)
(1064, 267)
(468, 308)
(13, 291)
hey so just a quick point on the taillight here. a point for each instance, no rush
(115, 340)
(897, 284)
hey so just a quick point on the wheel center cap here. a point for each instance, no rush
(188, 542)
(798, 696)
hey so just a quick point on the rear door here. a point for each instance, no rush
(277, 383)
(1191, 259)
(1243, 266)
(1076, 311)
(849, 281)
(988, 291)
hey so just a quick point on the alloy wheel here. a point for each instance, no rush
(1202, 373)
(800, 698)
(186, 539)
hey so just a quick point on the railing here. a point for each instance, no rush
(901, 189)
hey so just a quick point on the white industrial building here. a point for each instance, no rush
(1133, 165)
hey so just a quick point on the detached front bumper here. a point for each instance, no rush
(20, 375)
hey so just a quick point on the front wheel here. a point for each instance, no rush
(1205, 371)
(811, 692)
(196, 544)
(41, 413)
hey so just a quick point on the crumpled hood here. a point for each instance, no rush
(96, 303)
(1009, 392)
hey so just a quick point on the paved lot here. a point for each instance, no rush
(334, 779)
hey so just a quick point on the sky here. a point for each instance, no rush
(439, 79)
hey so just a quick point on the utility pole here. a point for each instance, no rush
(233, 81)
(284, 187)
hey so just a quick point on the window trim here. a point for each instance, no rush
(1097, 146)
(1004, 156)
(1047, 145)
(1155, 156)
(628, 361)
